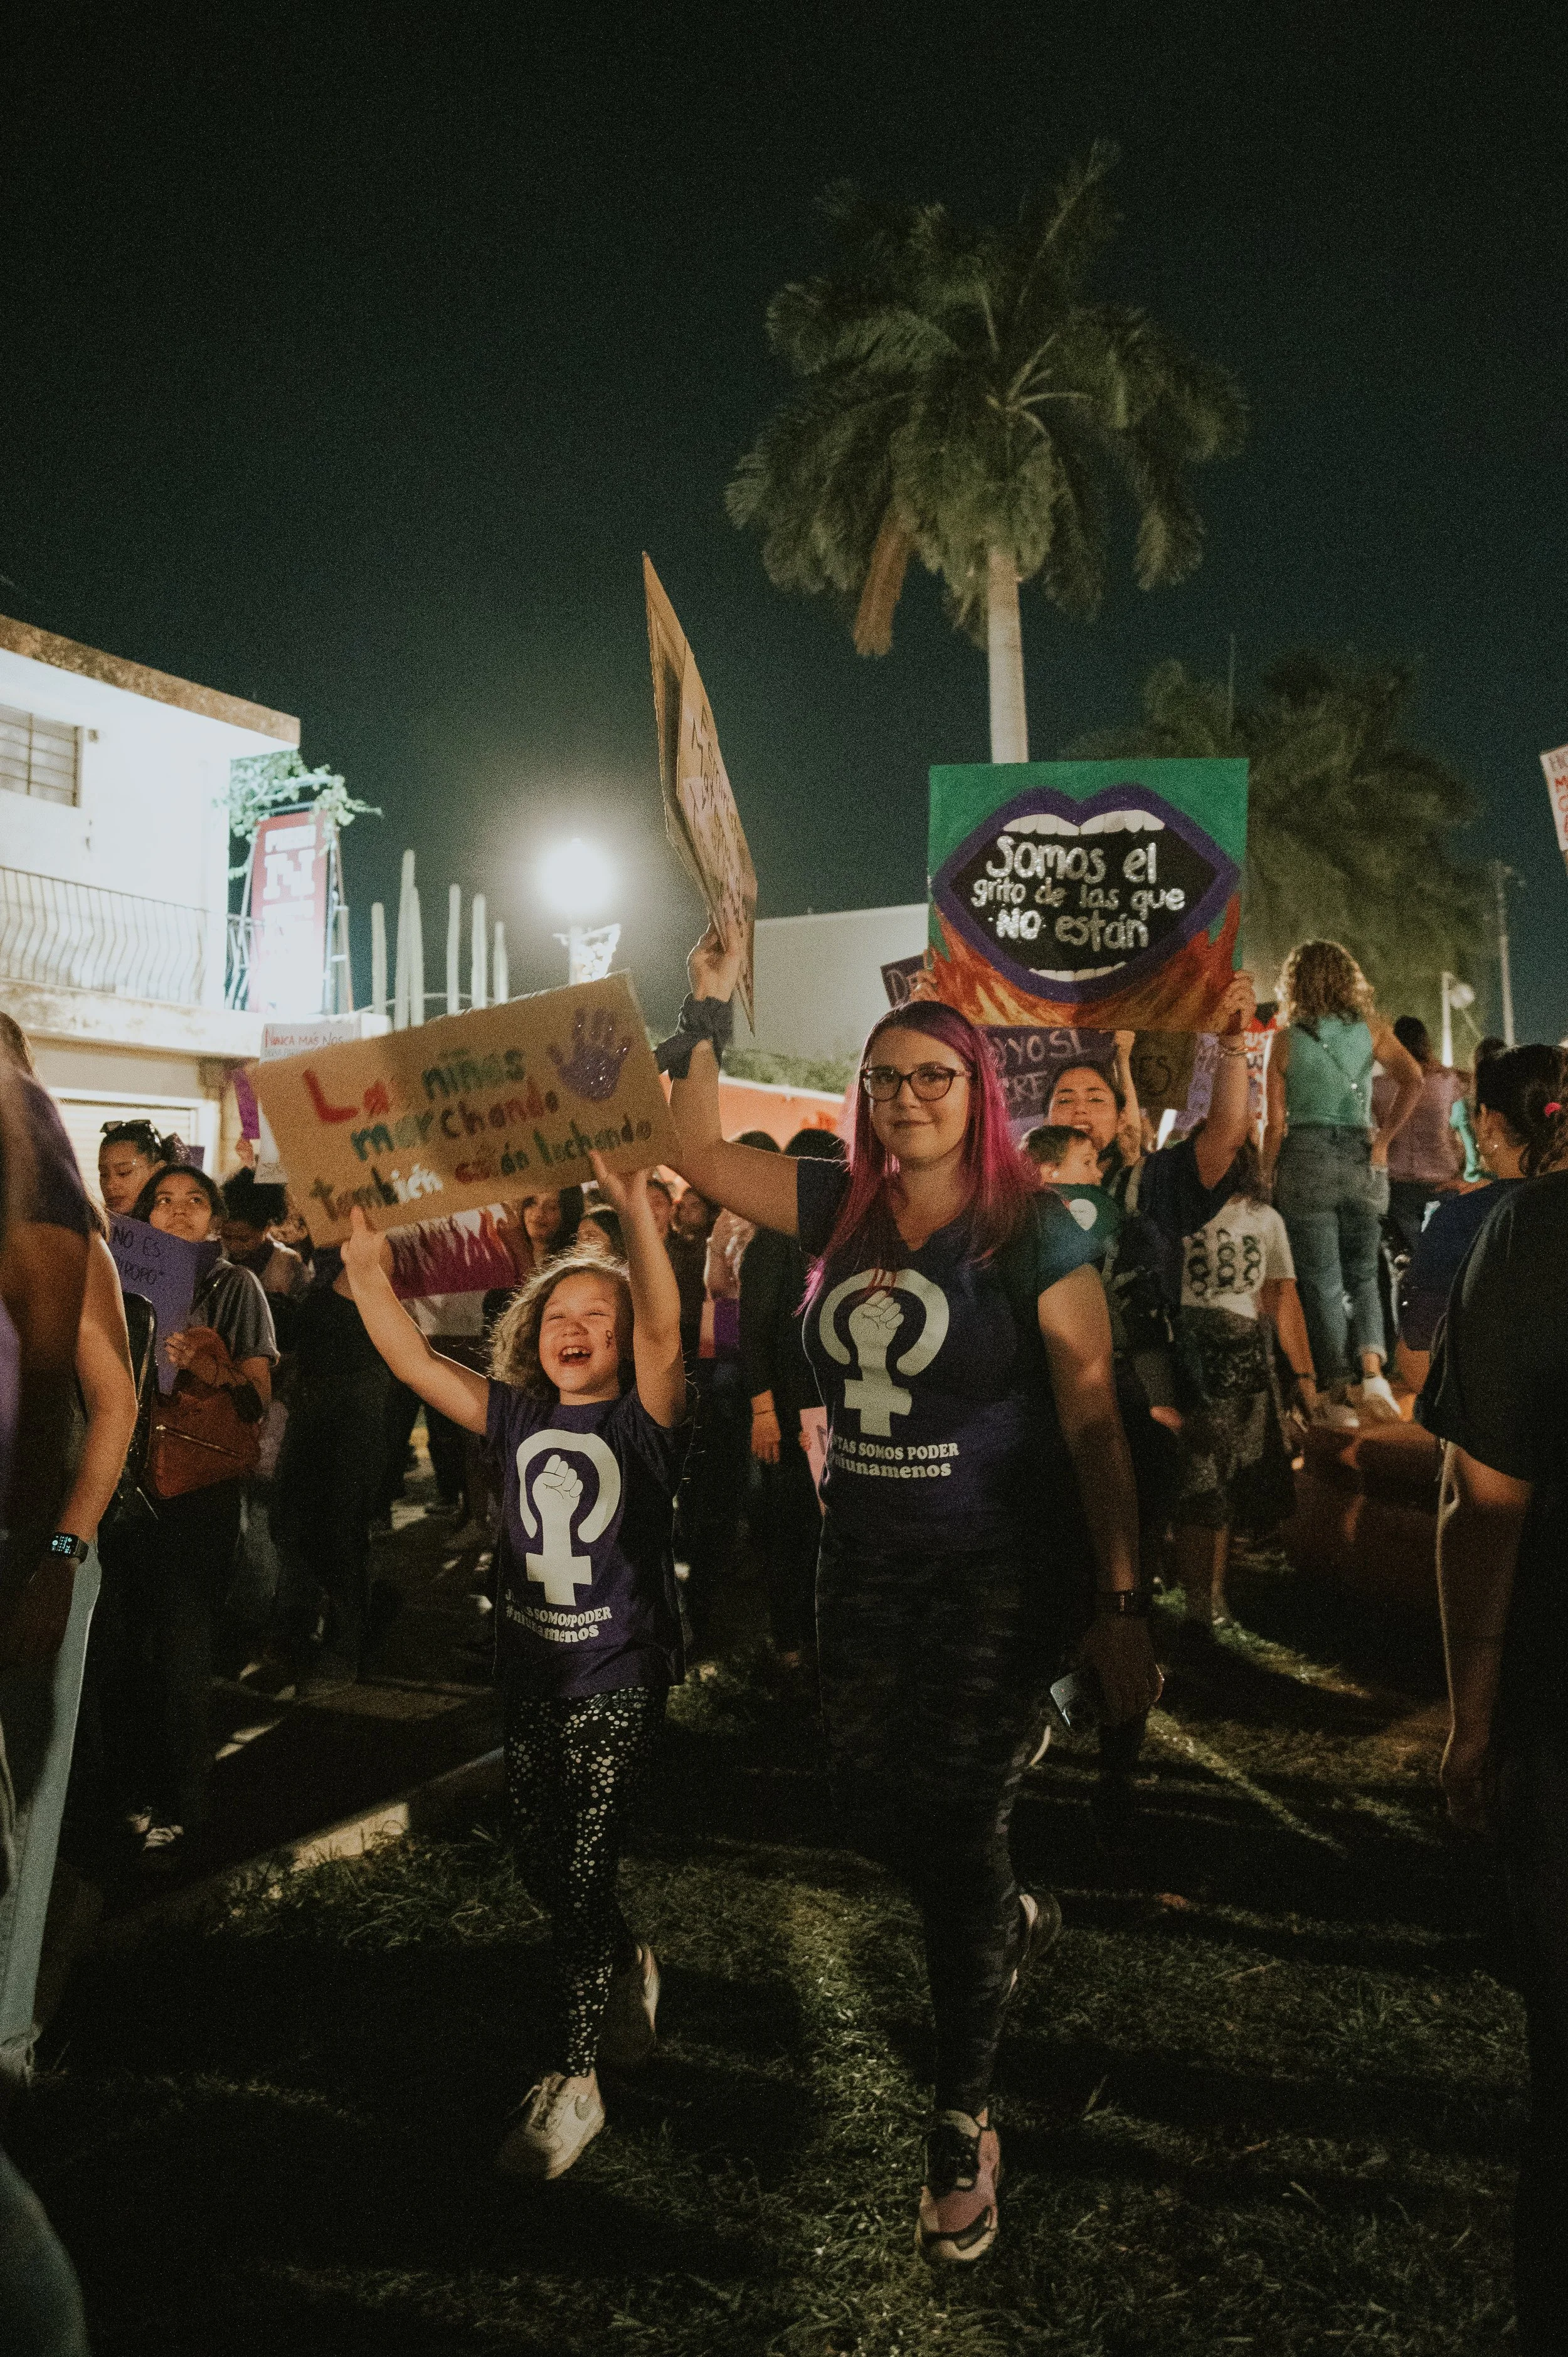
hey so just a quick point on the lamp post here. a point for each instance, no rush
(1456, 993)
(576, 880)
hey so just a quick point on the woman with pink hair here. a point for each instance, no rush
(960, 1337)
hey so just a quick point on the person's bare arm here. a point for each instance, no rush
(1408, 1079)
(1282, 1302)
(37, 1626)
(43, 1277)
(1480, 1516)
(1275, 1101)
(760, 1186)
(655, 1297)
(457, 1393)
(1220, 1139)
(1130, 1119)
(1075, 1325)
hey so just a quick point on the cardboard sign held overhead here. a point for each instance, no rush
(700, 814)
(450, 1115)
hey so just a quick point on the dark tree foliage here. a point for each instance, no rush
(962, 391)
(1351, 829)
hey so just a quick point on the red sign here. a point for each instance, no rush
(288, 914)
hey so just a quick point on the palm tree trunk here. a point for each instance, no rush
(1005, 651)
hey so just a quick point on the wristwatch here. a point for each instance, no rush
(66, 1543)
(1125, 1603)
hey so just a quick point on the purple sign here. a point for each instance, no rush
(165, 1271)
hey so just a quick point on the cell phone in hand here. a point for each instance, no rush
(1077, 1699)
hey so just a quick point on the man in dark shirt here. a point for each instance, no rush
(1497, 1395)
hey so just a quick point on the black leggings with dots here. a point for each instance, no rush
(573, 1771)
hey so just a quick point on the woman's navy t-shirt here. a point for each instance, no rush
(940, 1431)
(587, 1601)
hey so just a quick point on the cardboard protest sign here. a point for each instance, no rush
(1100, 892)
(700, 813)
(165, 1271)
(451, 1115)
(279, 1040)
(1029, 1059)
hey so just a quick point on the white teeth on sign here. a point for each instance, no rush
(1120, 821)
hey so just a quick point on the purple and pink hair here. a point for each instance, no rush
(1001, 1184)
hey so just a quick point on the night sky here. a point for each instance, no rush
(354, 356)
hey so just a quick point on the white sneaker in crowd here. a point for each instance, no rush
(1333, 1416)
(628, 2034)
(1375, 1402)
(560, 2117)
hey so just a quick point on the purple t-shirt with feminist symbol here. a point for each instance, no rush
(937, 1438)
(587, 1601)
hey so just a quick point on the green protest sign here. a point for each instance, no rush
(1100, 893)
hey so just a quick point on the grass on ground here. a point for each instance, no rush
(1263, 2096)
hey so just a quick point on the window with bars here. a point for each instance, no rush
(41, 757)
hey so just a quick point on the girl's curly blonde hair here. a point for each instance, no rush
(1321, 978)
(514, 1340)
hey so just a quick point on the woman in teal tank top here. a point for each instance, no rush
(1330, 1167)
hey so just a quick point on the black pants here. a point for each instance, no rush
(790, 1530)
(934, 1670)
(328, 1483)
(1533, 1793)
(164, 1582)
(573, 1771)
(1408, 1200)
(713, 1493)
(401, 1415)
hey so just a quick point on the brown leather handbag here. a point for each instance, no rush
(199, 1437)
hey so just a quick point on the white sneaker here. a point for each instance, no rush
(627, 2034)
(1375, 1402)
(560, 2116)
(1332, 1416)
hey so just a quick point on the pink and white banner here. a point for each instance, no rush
(288, 913)
(1556, 768)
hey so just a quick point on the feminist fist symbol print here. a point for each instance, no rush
(593, 1068)
(549, 1503)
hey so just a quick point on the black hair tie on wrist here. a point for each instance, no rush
(711, 1019)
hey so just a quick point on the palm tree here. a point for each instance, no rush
(964, 399)
(1349, 829)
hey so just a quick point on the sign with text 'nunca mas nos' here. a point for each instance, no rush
(1098, 893)
(469, 1110)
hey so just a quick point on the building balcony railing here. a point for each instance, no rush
(65, 936)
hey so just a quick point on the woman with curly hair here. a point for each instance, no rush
(584, 1417)
(1329, 1168)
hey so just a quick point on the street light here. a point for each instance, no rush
(578, 880)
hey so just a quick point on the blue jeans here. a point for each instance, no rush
(38, 1712)
(1332, 1202)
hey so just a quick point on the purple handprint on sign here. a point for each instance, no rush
(593, 1068)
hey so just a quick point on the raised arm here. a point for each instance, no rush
(1130, 1119)
(1408, 1079)
(1219, 1140)
(457, 1393)
(1274, 1100)
(760, 1186)
(655, 1299)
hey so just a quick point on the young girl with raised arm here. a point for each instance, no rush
(584, 1416)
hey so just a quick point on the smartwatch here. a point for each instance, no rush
(66, 1543)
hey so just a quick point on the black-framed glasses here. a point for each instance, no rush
(930, 1082)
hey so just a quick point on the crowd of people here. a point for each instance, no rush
(972, 1401)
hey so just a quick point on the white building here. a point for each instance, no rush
(819, 979)
(117, 952)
